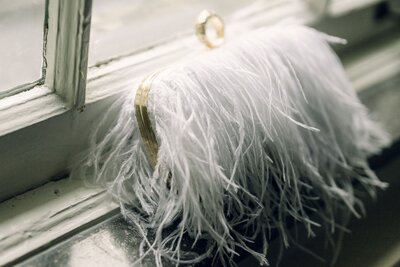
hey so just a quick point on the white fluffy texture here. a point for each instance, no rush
(256, 134)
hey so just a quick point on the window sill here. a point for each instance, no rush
(28, 108)
(41, 217)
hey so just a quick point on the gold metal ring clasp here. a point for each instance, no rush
(210, 29)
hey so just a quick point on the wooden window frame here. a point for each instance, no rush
(26, 111)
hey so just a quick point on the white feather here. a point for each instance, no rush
(260, 132)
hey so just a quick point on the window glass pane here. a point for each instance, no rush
(21, 41)
(123, 26)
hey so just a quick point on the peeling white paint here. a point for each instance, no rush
(32, 220)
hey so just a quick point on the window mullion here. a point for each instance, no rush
(67, 30)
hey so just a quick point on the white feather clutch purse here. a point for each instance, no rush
(264, 131)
